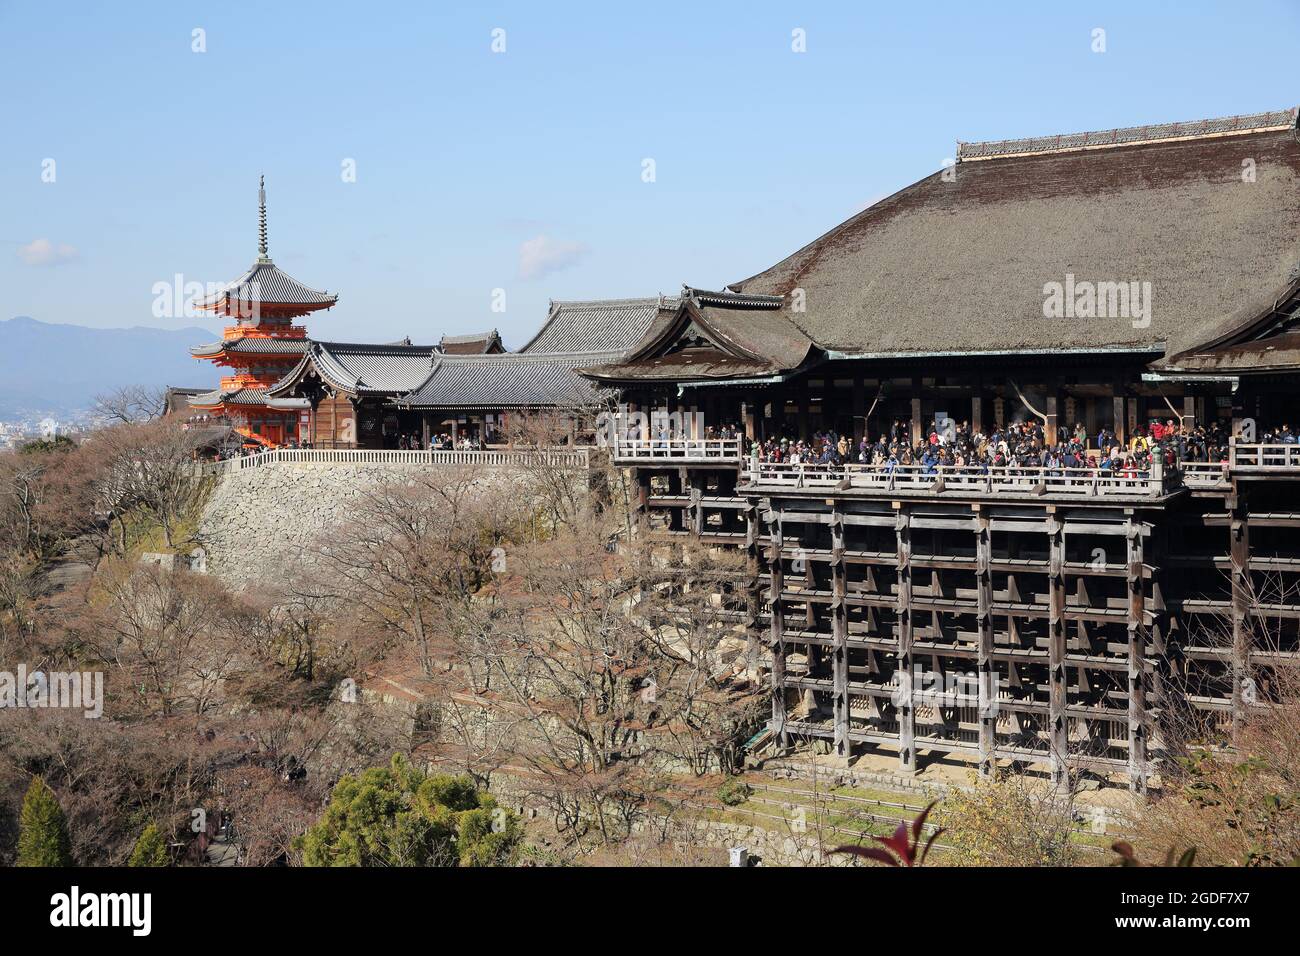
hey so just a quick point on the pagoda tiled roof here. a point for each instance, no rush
(265, 283)
(252, 345)
(237, 396)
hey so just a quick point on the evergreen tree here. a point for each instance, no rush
(43, 830)
(150, 849)
(399, 816)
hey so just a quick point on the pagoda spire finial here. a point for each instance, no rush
(261, 217)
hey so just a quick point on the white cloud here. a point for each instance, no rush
(542, 255)
(42, 252)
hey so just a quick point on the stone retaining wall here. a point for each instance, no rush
(268, 523)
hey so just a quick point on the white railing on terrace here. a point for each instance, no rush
(554, 457)
(1204, 474)
(1255, 457)
(1083, 482)
(677, 449)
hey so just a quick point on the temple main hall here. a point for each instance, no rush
(1025, 428)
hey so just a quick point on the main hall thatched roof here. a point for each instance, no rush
(958, 261)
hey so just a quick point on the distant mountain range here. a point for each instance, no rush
(49, 369)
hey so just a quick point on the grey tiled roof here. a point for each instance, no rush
(365, 369)
(476, 343)
(601, 325)
(264, 282)
(733, 300)
(374, 368)
(511, 380)
(254, 345)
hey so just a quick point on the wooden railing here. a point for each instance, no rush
(1255, 457)
(1248, 459)
(716, 450)
(553, 457)
(1081, 482)
(1204, 474)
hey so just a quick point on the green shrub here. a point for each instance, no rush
(734, 791)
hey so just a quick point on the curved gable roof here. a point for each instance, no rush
(475, 343)
(744, 336)
(362, 369)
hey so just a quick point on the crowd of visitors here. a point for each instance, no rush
(446, 441)
(946, 445)
(441, 442)
(1018, 445)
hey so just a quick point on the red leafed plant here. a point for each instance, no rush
(903, 848)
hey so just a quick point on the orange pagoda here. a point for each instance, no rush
(261, 345)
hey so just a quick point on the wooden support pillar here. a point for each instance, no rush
(776, 579)
(987, 674)
(1158, 612)
(805, 430)
(643, 422)
(1137, 716)
(641, 478)
(1189, 411)
(754, 584)
(1058, 724)
(1121, 421)
(1239, 545)
(859, 411)
(917, 426)
(977, 414)
(1051, 428)
(905, 694)
(840, 634)
(695, 514)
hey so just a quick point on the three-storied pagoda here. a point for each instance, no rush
(261, 346)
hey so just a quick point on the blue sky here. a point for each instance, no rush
(522, 170)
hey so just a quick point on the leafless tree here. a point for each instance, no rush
(153, 468)
(132, 404)
(1228, 788)
(415, 556)
(172, 636)
(621, 681)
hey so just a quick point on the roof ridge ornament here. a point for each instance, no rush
(1130, 135)
(261, 220)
